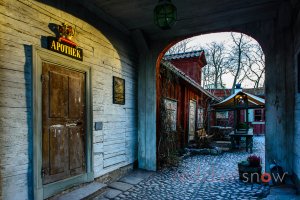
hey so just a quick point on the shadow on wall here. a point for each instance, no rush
(28, 93)
(1, 193)
(89, 17)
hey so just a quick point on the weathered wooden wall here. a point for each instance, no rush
(296, 148)
(182, 92)
(280, 86)
(190, 66)
(107, 51)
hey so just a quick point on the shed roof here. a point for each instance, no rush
(182, 75)
(228, 103)
(190, 54)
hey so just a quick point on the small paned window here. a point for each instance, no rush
(258, 115)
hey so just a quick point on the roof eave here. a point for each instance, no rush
(189, 80)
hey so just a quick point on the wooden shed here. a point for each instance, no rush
(256, 116)
(240, 103)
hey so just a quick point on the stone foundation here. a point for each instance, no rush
(115, 175)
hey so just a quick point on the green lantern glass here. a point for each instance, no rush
(165, 14)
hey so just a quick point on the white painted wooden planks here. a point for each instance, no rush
(24, 22)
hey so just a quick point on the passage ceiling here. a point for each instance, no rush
(194, 16)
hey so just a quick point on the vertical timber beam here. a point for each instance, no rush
(146, 104)
(208, 120)
(279, 84)
(280, 90)
(296, 148)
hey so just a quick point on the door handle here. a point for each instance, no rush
(74, 124)
(71, 125)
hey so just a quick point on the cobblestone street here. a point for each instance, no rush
(201, 177)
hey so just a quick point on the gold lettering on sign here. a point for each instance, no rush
(69, 51)
(78, 54)
(58, 46)
(53, 46)
(65, 49)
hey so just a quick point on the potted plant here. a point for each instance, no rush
(250, 169)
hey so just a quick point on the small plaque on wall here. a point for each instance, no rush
(118, 90)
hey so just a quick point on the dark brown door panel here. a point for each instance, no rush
(63, 142)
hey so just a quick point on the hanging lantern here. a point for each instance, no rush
(165, 14)
(241, 101)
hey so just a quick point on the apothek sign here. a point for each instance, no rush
(64, 44)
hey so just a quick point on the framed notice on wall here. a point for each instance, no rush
(118, 90)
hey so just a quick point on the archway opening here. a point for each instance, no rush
(197, 73)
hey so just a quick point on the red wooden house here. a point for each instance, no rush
(190, 63)
(182, 103)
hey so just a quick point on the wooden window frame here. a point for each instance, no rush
(174, 129)
(261, 115)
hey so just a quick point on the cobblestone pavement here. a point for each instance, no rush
(201, 177)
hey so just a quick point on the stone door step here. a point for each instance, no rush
(120, 186)
(83, 192)
(142, 174)
(111, 193)
(131, 180)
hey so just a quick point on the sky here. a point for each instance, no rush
(202, 40)
(213, 37)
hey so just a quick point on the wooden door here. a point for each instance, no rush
(192, 120)
(63, 113)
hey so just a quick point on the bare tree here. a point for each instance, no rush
(216, 65)
(255, 71)
(182, 47)
(242, 57)
(238, 56)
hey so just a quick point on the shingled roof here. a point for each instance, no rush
(228, 103)
(190, 54)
